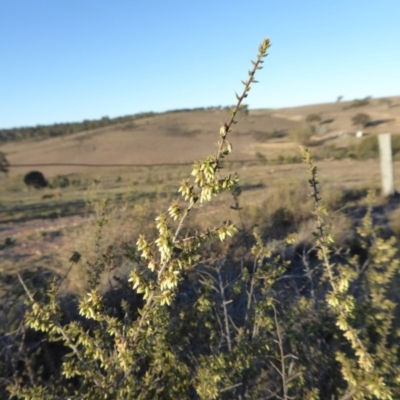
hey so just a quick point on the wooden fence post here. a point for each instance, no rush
(385, 151)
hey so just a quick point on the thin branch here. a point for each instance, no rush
(231, 387)
(226, 317)
(250, 294)
(25, 288)
(283, 366)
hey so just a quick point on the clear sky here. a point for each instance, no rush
(69, 60)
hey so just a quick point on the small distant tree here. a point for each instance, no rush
(339, 99)
(360, 102)
(361, 119)
(4, 164)
(313, 118)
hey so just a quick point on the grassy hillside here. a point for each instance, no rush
(265, 136)
(178, 137)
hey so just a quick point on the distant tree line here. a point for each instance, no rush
(244, 107)
(40, 132)
(63, 129)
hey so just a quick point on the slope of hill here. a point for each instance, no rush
(41, 132)
(177, 137)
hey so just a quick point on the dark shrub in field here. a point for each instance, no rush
(35, 179)
(59, 181)
(4, 164)
(361, 119)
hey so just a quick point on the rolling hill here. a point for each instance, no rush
(184, 136)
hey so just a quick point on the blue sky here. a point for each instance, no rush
(69, 60)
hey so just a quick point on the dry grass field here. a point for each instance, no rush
(46, 226)
(186, 136)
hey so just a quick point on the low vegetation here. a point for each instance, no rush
(364, 149)
(358, 103)
(313, 118)
(263, 137)
(4, 164)
(288, 300)
(361, 119)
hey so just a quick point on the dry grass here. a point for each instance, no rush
(185, 136)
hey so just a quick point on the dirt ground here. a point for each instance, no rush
(36, 237)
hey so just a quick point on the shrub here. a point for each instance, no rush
(59, 181)
(338, 153)
(361, 119)
(395, 144)
(35, 179)
(261, 157)
(4, 164)
(359, 103)
(262, 136)
(367, 148)
(313, 118)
